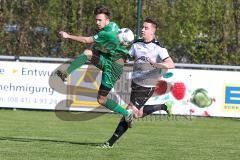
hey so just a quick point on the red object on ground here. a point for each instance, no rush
(161, 87)
(178, 90)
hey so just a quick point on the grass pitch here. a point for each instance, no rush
(41, 135)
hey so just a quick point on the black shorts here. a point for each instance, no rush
(140, 95)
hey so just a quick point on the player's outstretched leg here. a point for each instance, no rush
(120, 130)
(105, 145)
(112, 105)
(169, 105)
(149, 109)
(78, 62)
(62, 74)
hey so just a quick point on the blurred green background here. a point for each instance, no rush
(193, 31)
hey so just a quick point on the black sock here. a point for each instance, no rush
(120, 130)
(148, 109)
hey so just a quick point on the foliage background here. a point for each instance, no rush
(193, 31)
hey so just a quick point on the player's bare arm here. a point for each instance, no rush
(166, 64)
(81, 39)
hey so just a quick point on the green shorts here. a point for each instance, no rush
(111, 71)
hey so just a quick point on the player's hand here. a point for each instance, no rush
(151, 62)
(134, 109)
(63, 34)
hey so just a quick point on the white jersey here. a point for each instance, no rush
(143, 73)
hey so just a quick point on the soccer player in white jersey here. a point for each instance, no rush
(145, 51)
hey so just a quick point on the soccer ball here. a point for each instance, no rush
(125, 36)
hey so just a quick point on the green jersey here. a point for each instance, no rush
(106, 42)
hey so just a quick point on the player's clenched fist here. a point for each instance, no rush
(63, 34)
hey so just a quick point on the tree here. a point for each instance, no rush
(194, 31)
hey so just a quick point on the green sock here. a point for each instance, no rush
(78, 62)
(110, 104)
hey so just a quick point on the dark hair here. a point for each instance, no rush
(151, 20)
(102, 10)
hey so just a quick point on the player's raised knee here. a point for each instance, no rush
(140, 113)
(88, 53)
(134, 109)
(101, 100)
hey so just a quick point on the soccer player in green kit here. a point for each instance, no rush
(107, 54)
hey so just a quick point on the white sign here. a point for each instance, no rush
(195, 92)
(25, 85)
(202, 92)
